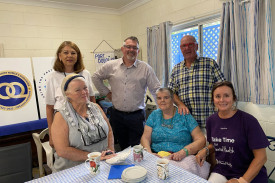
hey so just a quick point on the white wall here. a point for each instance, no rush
(31, 31)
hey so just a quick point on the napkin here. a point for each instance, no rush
(116, 171)
(120, 157)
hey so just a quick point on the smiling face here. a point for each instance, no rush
(189, 48)
(164, 100)
(77, 91)
(68, 56)
(223, 99)
(130, 50)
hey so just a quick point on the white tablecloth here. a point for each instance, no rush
(80, 173)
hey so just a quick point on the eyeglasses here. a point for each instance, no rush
(188, 45)
(97, 136)
(129, 47)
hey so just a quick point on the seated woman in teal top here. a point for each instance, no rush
(167, 130)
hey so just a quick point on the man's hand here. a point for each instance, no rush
(109, 96)
(182, 109)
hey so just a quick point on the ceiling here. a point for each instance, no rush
(113, 4)
(100, 6)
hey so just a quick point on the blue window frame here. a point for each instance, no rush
(208, 41)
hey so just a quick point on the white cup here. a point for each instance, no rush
(94, 159)
(162, 168)
(138, 153)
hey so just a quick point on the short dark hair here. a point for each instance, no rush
(223, 83)
(133, 38)
(58, 64)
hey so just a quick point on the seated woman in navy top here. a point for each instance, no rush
(167, 130)
(236, 141)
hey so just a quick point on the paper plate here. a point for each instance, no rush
(134, 174)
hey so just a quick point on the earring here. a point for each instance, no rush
(216, 109)
(234, 106)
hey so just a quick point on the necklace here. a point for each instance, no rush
(170, 125)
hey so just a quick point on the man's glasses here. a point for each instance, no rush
(188, 45)
(129, 47)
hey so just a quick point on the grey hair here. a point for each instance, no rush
(192, 37)
(165, 89)
(133, 38)
(75, 79)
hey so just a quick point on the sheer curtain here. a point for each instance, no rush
(158, 50)
(245, 52)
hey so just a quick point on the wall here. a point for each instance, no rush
(157, 11)
(31, 31)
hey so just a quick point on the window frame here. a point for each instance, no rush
(199, 22)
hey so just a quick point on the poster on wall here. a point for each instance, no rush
(17, 96)
(42, 67)
(102, 57)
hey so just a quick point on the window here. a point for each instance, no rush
(206, 31)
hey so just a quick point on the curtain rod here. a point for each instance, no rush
(241, 2)
(212, 14)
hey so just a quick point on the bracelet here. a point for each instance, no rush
(186, 151)
(207, 150)
(242, 180)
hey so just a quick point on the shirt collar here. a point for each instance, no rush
(135, 63)
(196, 60)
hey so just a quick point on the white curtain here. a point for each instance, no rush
(158, 50)
(245, 52)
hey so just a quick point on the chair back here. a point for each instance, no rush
(16, 163)
(47, 148)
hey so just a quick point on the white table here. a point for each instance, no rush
(81, 174)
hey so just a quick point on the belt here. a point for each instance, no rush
(127, 112)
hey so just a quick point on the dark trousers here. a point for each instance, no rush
(128, 127)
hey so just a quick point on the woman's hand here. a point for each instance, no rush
(178, 156)
(201, 156)
(104, 156)
(234, 180)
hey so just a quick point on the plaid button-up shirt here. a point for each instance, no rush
(194, 85)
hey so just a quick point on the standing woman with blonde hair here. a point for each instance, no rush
(68, 60)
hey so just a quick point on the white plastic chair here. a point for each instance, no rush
(48, 149)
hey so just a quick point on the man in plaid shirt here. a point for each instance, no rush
(192, 81)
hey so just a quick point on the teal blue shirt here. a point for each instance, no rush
(165, 139)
